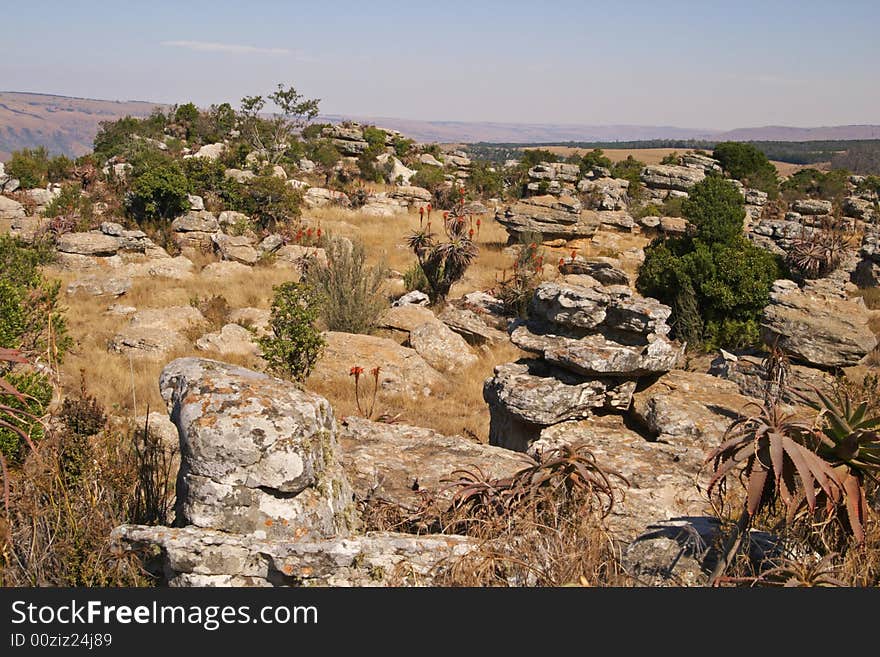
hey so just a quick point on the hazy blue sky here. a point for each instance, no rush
(701, 64)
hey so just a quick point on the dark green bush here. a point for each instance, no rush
(295, 344)
(748, 165)
(269, 201)
(414, 279)
(595, 158)
(715, 280)
(159, 193)
(630, 169)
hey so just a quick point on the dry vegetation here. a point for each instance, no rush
(119, 381)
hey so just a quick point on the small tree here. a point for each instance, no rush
(295, 344)
(269, 201)
(159, 193)
(272, 136)
(445, 263)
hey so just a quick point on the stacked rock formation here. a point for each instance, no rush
(594, 342)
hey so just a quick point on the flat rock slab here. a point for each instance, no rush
(192, 556)
(88, 244)
(398, 463)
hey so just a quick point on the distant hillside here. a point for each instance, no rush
(61, 124)
(68, 125)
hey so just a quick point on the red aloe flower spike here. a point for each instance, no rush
(574, 254)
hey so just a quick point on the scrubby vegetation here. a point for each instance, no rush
(295, 342)
(716, 281)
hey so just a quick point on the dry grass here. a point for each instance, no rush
(457, 408)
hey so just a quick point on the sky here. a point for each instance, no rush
(707, 65)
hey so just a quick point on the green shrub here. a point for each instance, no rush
(71, 202)
(30, 317)
(630, 169)
(414, 279)
(747, 164)
(429, 177)
(670, 158)
(715, 280)
(375, 137)
(30, 166)
(595, 158)
(295, 343)
(485, 180)
(159, 193)
(532, 156)
(403, 146)
(350, 291)
(37, 390)
(269, 201)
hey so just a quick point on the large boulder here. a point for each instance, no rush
(663, 176)
(826, 331)
(10, 209)
(258, 455)
(232, 339)
(441, 347)
(526, 396)
(553, 217)
(236, 248)
(200, 221)
(811, 206)
(690, 408)
(88, 244)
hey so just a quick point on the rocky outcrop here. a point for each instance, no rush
(347, 137)
(821, 331)
(154, 332)
(595, 341)
(607, 193)
(263, 498)
(236, 248)
(319, 196)
(680, 178)
(88, 244)
(552, 217)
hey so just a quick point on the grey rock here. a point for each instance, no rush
(196, 221)
(552, 217)
(258, 455)
(441, 347)
(661, 176)
(826, 332)
(88, 244)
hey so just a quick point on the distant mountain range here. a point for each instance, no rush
(68, 125)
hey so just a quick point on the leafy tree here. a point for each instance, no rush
(532, 156)
(295, 344)
(715, 280)
(748, 165)
(325, 155)
(269, 201)
(595, 158)
(272, 136)
(188, 116)
(630, 169)
(159, 193)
